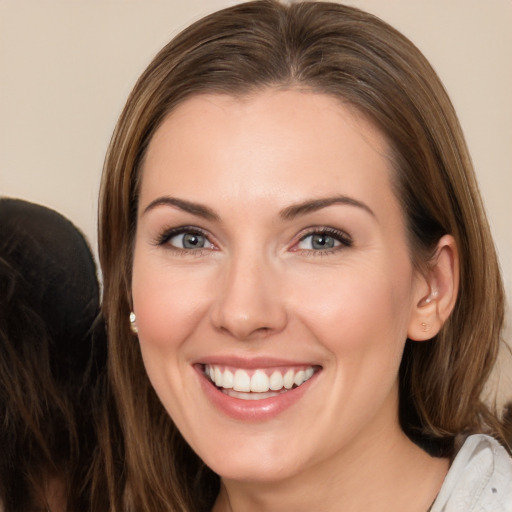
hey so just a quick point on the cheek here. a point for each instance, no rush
(361, 319)
(169, 304)
(167, 301)
(355, 307)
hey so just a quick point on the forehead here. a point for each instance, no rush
(270, 109)
(284, 142)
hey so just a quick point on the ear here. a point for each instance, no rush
(436, 292)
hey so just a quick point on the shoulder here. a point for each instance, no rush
(479, 479)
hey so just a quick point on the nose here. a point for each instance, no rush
(249, 303)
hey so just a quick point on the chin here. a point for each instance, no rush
(255, 458)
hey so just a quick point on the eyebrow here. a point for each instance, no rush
(314, 205)
(187, 206)
(288, 213)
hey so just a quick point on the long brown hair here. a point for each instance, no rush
(50, 358)
(340, 51)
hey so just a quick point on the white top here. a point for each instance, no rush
(479, 479)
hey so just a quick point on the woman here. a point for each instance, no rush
(49, 360)
(301, 291)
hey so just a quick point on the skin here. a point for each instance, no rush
(56, 495)
(259, 288)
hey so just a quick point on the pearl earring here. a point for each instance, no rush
(133, 325)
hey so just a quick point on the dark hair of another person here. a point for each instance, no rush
(49, 358)
(358, 59)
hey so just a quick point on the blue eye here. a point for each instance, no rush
(324, 241)
(318, 241)
(185, 239)
(188, 241)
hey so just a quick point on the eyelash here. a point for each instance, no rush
(168, 234)
(345, 241)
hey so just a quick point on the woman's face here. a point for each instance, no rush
(271, 254)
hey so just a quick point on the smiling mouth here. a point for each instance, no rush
(257, 384)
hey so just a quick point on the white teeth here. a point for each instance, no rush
(288, 379)
(249, 396)
(227, 382)
(276, 381)
(241, 381)
(260, 384)
(299, 377)
(218, 377)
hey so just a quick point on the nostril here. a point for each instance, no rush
(244, 332)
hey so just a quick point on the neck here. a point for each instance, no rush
(56, 495)
(390, 473)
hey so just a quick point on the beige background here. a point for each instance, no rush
(67, 66)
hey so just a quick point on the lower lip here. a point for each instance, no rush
(252, 410)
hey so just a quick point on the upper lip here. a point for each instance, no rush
(252, 363)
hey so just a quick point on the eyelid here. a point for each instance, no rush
(341, 236)
(344, 239)
(166, 234)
